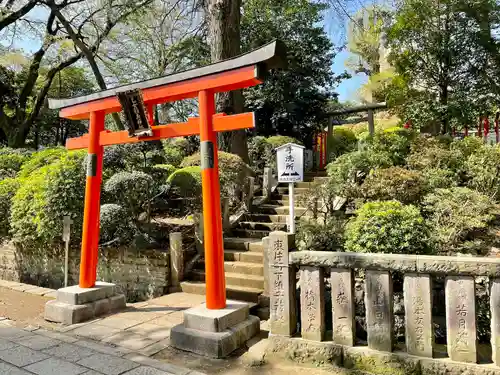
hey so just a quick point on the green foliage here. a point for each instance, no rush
(437, 178)
(348, 171)
(482, 168)
(40, 159)
(115, 225)
(291, 101)
(279, 140)
(175, 149)
(467, 146)
(433, 153)
(259, 153)
(394, 183)
(186, 182)
(131, 190)
(456, 213)
(397, 143)
(11, 162)
(388, 227)
(328, 236)
(343, 140)
(42, 201)
(8, 188)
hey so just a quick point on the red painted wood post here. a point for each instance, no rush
(90, 236)
(466, 133)
(212, 220)
(486, 128)
(496, 127)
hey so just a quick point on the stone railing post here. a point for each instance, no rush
(282, 281)
(225, 213)
(379, 310)
(265, 245)
(495, 319)
(312, 303)
(176, 261)
(418, 314)
(343, 306)
(460, 297)
(199, 235)
(267, 182)
(249, 197)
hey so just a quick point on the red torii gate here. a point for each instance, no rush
(237, 73)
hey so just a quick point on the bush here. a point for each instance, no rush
(312, 235)
(44, 198)
(186, 182)
(482, 170)
(259, 153)
(11, 162)
(343, 140)
(348, 172)
(456, 213)
(396, 143)
(435, 156)
(280, 140)
(233, 172)
(436, 178)
(467, 146)
(131, 190)
(116, 226)
(40, 159)
(394, 183)
(388, 227)
(175, 149)
(8, 188)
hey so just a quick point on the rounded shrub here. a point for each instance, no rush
(467, 146)
(44, 198)
(456, 213)
(40, 159)
(116, 226)
(435, 157)
(348, 171)
(8, 188)
(482, 170)
(186, 182)
(394, 183)
(175, 149)
(11, 163)
(388, 227)
(341, 141)
(259, 153)
(280, 140)
(396, 143)
(437, 178)
(316, 236)
(131, 190)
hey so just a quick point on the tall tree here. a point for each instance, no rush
(224, 40)
(292, 101)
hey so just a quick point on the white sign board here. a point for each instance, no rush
(290, 159)
(66, 228)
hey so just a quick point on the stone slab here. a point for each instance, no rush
(129, 340)
(21, 356)
(5, 344)
(418, 314)
(108, 364)
(55, 366)
(144, 370)
(10, 333)
(117, 302)
(461, 318)
(312, 303)
(214, 344)
(163, 366)
(61, 312)
(343, 306)
(6, 369)
(95, 331)
(204, 319)
(38, 342)
(379, 310)
(74, 295)
(380, 363)
(69, 352)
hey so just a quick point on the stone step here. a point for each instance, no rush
(235, 279)
(262, 226)
(244, 256)
(263, 313)
(245, 268)
(241, 243)
(235, 292)
(265, 218)
(273, 209)
(297, 191)
(250, 233)
(303, 184)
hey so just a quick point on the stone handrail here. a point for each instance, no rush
(418, 270)
(438, 265)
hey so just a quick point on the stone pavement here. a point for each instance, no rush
(143, 328)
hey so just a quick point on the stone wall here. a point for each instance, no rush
(141, 274)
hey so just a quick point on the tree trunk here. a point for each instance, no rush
(224, 39)
(443, 100)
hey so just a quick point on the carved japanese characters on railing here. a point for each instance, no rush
(418, 314)
(495, 319)
(312, 300)
(344, 325)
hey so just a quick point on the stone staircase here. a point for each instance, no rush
(243, 248)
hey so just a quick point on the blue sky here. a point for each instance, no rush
(347, 89)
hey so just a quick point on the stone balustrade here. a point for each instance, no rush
(379, 353)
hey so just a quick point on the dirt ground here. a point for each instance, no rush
(24, 308)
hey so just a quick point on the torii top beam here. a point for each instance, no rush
(237, 73)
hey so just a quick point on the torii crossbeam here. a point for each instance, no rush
(237, 73)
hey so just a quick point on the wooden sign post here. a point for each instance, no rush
(290, 160)
(66, 237)
(202, 83)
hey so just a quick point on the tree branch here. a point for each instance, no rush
(14, 16)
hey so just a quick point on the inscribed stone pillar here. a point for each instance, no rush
(283, 315)
(379, 310)
(176, 259)
(461, 318)
(495, 319)
(343, 306)
(266, 182)
(312, 303)
(418, 314)
(265, 245)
